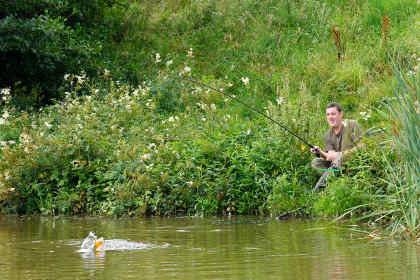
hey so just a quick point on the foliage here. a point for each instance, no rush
(43, 40)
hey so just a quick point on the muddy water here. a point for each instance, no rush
(199, 248)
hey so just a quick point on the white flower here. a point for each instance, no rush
(171, 119)
(279, 100)
(157, 57)
(5, 91)
(11, 142)
(81, 79)
(146, 157)
(203, 119)
(25, 138)
(187, 69)
(365, 115)
(245, 80)
(152, 146)
(213, 106)
(3, 122)
(230, 84)
(169, 62)
(190, 53)
(410, 73)
(66, 77)
(190, 183)
(47, 125)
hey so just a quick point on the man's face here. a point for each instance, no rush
(334, 117)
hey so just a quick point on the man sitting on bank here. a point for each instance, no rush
(342, 138)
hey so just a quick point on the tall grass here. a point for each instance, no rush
(405, 177)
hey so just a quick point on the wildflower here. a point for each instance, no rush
(66, 77)
(80, 79)
(171, 119)
(3, 121)
(213, 107)
(230, 84)
(190, 53)
(152, 146)
(12, 189)
(47, 125)
(365, 115)
(187, 69)
(248, 132)
(5, 91)
(157, 57)
(106, 73)
(169, 62)
(245, 80)
(190, 183)
(279, 100)
(80, 126)
(25, 138)
(410, 73)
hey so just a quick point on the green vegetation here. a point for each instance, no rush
(126, 135)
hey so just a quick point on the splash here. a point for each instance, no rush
(93, 243)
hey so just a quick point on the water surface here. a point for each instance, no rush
(200, 248)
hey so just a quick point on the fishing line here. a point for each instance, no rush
(249, 107)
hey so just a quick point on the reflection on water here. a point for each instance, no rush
(204, 248)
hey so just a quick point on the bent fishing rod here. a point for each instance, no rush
(249, 107)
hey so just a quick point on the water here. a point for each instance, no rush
(199, 248)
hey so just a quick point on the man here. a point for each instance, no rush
(342, 138)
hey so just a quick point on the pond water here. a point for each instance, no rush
(199, 248)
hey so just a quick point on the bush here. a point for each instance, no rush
(35, 54)
(40, 41)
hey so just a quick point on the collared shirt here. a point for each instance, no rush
(347, 137)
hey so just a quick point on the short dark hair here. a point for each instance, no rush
(334, 105)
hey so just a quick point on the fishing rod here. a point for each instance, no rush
(251, 108)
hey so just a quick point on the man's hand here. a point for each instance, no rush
(315, 150)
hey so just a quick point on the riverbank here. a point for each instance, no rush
(137, 140)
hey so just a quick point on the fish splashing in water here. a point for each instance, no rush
(92, 242)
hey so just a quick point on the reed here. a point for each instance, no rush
(386, 24)
(404, 179)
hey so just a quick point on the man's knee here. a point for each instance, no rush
(319, 163)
